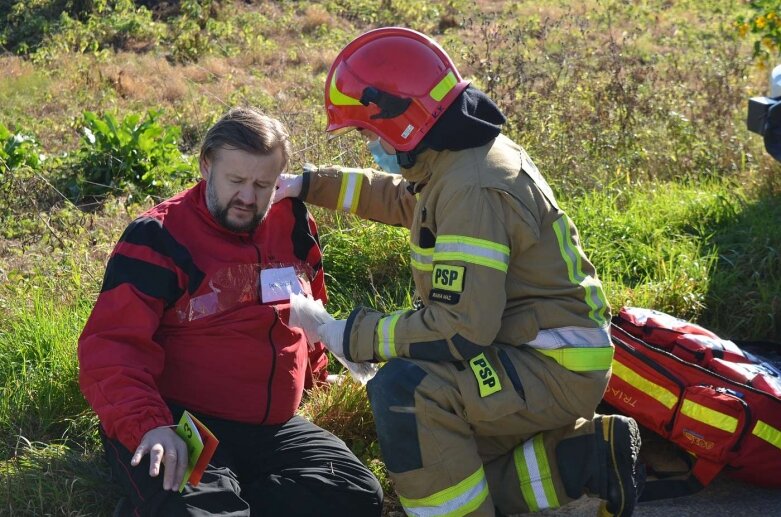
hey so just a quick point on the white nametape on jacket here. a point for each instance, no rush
(278, 284)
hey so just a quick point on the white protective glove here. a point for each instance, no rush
(318, 325)
(331, 334)
(288, 185)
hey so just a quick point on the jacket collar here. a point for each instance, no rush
(421, 172)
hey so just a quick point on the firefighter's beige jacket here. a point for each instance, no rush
(494, 259)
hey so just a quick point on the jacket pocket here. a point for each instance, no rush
(711, 422)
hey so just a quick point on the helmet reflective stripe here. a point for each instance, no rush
(445, 85)
(534, 473)
(573, 257)
(340, 99)
(458, 500)
(350, 190)
(472, 250)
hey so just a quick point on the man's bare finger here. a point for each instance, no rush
(155, 456)
(181, 464)
(140, 451)
(169, 460)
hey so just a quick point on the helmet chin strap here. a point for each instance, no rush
(407, 159)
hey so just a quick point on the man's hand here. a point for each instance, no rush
(163, 444)
(288, 185)
(332, 336)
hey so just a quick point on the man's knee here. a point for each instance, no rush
(392, 397)
(397, 379)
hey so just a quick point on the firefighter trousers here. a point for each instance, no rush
(480, 436)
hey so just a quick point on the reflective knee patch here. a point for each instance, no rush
(392, 397)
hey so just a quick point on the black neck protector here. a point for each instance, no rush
(472, 120)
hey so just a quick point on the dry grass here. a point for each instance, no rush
(14, 67)
(315, 17)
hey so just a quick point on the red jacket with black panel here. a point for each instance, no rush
(180, 319)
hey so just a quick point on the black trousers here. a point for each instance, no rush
(292, 469)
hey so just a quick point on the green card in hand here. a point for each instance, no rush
(188, 431)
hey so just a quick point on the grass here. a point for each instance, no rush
(633, 112)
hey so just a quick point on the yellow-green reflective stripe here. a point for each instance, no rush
(444, 86)
(664, 396)
(338, 98)
(456, 501)
(534, 474)
(709, 416)
(523, 477)
(421, 258)
(386, 334)
(581, 359)
(768, 433)
(546, 476)
(472, 250)
(350, 191)
(420, 266)
(572, 255)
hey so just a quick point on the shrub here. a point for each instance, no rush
(134, 156)
(765, 25)
(17, 149)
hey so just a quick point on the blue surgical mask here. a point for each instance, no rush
(384, 161)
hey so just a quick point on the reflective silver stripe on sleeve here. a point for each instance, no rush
(350, 191)
(472, 250)
(572, 337)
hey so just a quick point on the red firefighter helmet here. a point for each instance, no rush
(393, 81)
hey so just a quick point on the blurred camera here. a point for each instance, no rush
(759, 110)
(764, 115)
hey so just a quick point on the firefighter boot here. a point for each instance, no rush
(620, 478)
(603, 463)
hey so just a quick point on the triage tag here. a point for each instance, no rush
(278, 284)
(192, 438)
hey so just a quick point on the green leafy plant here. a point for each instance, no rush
(191, 39)
(17, 149)
(133, 156)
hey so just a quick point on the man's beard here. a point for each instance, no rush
(221, 212)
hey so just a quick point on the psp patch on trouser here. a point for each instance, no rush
(487, 380)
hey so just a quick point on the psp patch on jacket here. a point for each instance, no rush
(448, 278)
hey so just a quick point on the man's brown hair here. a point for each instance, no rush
(249, 130)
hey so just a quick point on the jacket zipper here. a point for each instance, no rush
(273, 365)
(270, 341)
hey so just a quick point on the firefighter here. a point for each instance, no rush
(485, 403)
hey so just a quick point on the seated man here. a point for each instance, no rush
(184, 321)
